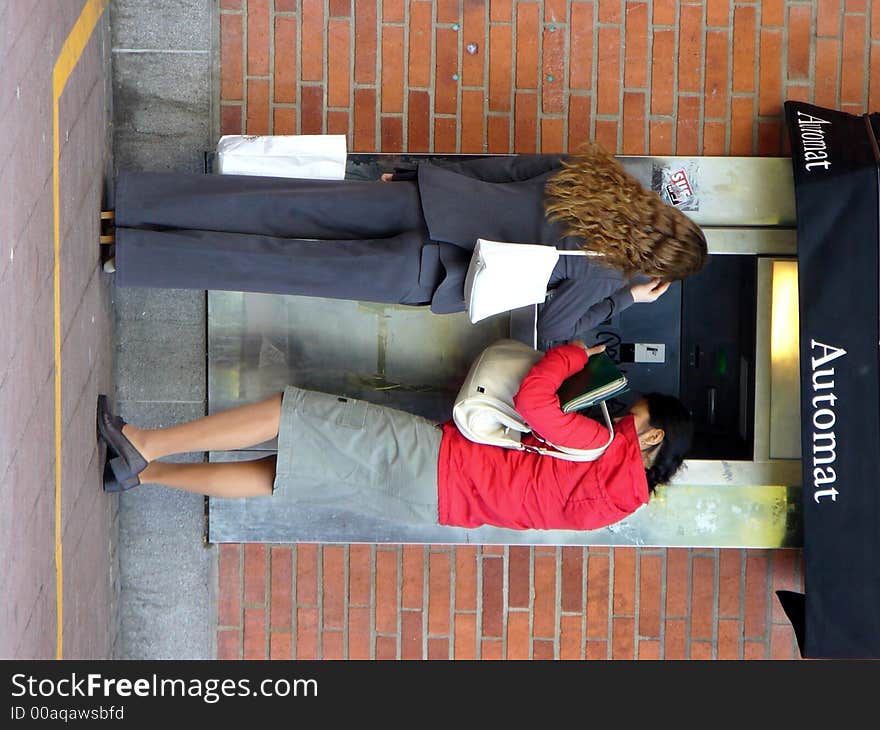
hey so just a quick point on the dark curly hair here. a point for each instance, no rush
(673, 417)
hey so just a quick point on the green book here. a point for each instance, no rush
(600, 380)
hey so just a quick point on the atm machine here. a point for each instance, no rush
(724, 341)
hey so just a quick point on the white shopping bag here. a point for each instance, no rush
(308, 156)
(504, 276)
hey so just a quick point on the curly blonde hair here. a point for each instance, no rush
(630, 227)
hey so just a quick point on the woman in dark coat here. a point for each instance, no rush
(408, 241)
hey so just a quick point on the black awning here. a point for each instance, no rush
(835, 160)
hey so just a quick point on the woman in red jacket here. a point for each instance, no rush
(339, 452)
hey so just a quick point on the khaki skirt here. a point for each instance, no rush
(337, 452)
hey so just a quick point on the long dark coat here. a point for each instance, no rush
(403, 242)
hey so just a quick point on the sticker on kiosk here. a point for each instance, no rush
(676, 186)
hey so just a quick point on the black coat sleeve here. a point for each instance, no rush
(574, 309)
(499, 169)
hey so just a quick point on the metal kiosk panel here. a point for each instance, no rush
(411, 359)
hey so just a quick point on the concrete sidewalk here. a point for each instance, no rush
(163, 92)
(57, 540)
(136, 577)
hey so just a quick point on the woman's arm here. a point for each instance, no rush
(503, 168)
(537, 402)
(573, 309)
(500, 169)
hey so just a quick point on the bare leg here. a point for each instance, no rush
(236, 428)
(228, 479)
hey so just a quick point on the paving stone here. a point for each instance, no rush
(158, 362)
(174, 306)
(186, 24)
(162, 121)
(166, 604)
(162, 105)
(181, 152)
(25, 295)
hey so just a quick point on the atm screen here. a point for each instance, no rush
(718, 356)
(696, 342)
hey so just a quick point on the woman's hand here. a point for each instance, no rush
(387, 177)
(650, 291)
(595, 350)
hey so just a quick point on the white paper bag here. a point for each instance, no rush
(308, 156)
(504, 276)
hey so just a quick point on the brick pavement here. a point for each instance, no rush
(661, 77)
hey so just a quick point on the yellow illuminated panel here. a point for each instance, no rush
(785, 437)
(784, 314)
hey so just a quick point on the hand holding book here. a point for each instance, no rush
(599, 380)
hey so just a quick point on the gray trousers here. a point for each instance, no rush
(336, 239)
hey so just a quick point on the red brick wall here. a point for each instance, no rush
(662, 77)
(466, 602)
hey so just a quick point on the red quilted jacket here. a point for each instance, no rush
(489, 485)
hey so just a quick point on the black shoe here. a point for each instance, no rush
(124, 462)
(111, 483)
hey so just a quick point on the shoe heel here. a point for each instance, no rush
(102, 408)
(106, 234)
(124, 477)
(110, 482)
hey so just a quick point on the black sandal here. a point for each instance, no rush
(125, 462)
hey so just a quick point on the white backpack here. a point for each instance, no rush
(484, 411)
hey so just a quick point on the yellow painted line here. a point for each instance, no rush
(72, 49)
